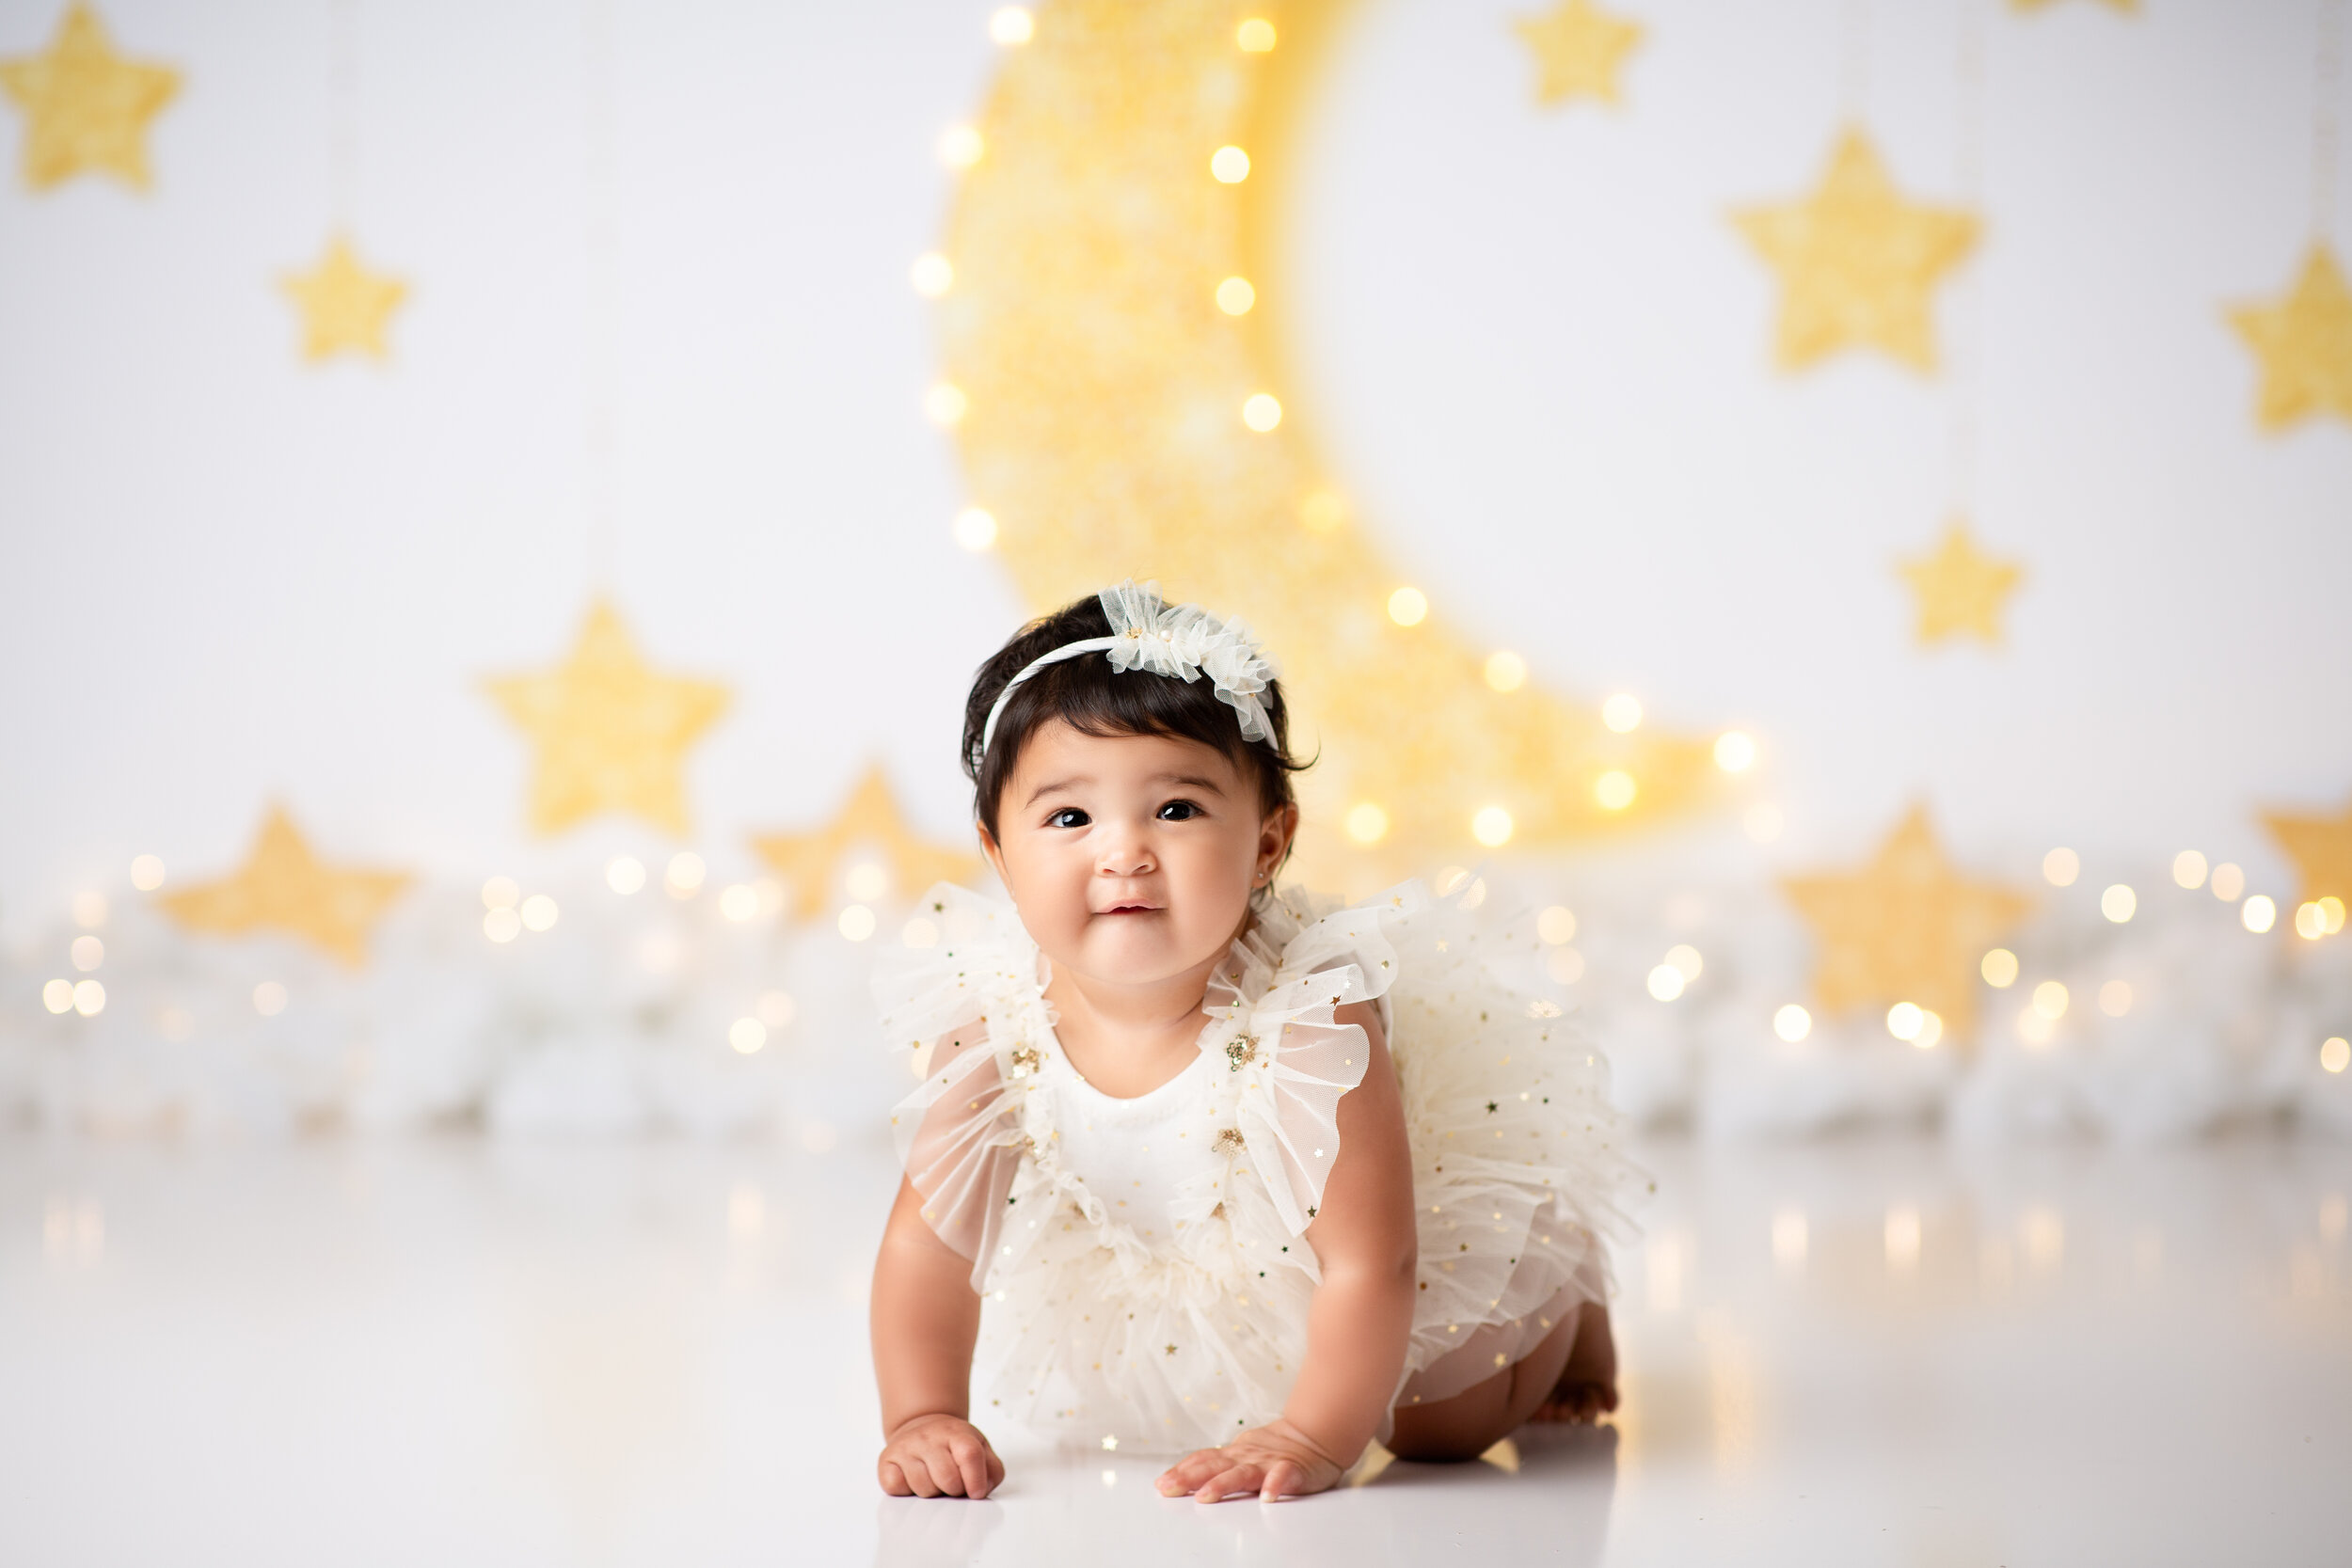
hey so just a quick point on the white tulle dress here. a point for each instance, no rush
(1143, 1263)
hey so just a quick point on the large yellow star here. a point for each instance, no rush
(1906, 927)
(283, 887)
(2321, 847)
(611, 735)
(2304, 343)
(1578, 48)
(1960, 588)
(344, 305)
(1856, 261)
(86, 107)
(872, 818)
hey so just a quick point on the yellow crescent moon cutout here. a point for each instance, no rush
(1103, 427)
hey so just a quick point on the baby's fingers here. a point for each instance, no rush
(968, 1457)
(1236, 1480)
(894, 1481)
(1282, 1479)
(1191, 1470)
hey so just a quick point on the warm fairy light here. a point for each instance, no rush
(1789, 1226)
(856, 922)
(960, 147)
(1231, 165)
(539, 912)
(1447, 880)
(1235, 296)
(1556, 924)
(88, 953)
(1763, 823)
(2049, 1000)
(975, 530)
(2118, 903)
(2311, 923)
(1366, 823)
(2059, 867)
(1684, 960)
(89, 998)
(1735, 750)
(945, 404)
(1615, 789)
(500, 893)
(1324, 511)
(89, 909)
(2115, 998)
(1255, 35)
(1931, 1029)
(747, 1035)
(2259, 914)
(269, 999)
(57, 996)
(1792, 1023)
(920, 932)
(2331, 910)
(1904, 1020)
(1565, 965)
(2188, 869)
(1622, 713)
(1012, 25)
(683, 876)
(776, 1008)
(1665, 982)
(2000, 969)
(147, 873)
(1261, 412)
(501, 925)
(1902, 1239)
(1492, 827)
(932, 275)
(2034, 1028)
(739, 902)
(1506, 670)
(1474, 894)
(624, 874)
(2335, 1054)
(867, 881)
(2229, 881)
(1408, 606)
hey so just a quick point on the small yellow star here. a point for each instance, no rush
(1578, 49)
(344, 305)
(1906, 927)
(1960, 589)
(283, 887)
(611, 735)
(86, 107)
(870, 817)
(1856, 261)
(2304, 343)
(2321, 849)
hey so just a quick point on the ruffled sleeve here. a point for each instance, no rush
(956, 1006)
(1295, 1057)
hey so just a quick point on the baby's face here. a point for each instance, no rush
(1131, 857)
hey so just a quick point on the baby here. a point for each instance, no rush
(1230, 1172)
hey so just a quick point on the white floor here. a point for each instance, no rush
(452, 1353)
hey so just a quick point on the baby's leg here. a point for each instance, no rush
(1587, 1388)
(1481, 1416)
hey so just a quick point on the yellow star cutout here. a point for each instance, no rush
(283, 887)
(611, 735)
(871, 818)
(1960, 588)
(2304, 343)
(1906, 927)
(86, 107)
(1856, 261)
(344, 305)
(2321, 847)
(1578, 49)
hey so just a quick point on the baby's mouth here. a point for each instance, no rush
(1133, 909)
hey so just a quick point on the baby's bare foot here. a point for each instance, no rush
(1587, 1388)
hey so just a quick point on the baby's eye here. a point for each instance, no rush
(1069, 816)
(1179, 811)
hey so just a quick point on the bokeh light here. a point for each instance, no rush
(2259, 914)
(1565, 965)
(2060, 866)
(945, 405)
(1261, 412)
(538, 913)
(2188, 869)
(2000, 969)
(1904, 1020)
(1622, 713)
(1735, 750)
(932, 275)
(1556, 924)
(739, 901)
(1505, 671)
(856, 922)
(2335, 1054)
(2049, 1000)
(269, 999)
(747, 1035)
(89, 998)
(57, 996)
(961, 147)
(868, 881)
(88, 953)
(1366, 823)
(1011, 25)
(975, 530)
(683, 876)
(1255, 35)
(624, 874)
(1492, 827)
(1408, 606)
(1792, 1023)
(2229, 882)
(500, 893)
(2118, 903)
(1665, 982)
(1615, 789)
(1231, 165)
(1684, 960)
(1235, 296)
(147, 873)
(501, 925)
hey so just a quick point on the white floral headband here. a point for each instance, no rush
(1183, 641)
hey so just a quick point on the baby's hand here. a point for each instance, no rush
(1272, 1462)
(939, 1456)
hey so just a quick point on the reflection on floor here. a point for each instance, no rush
(457, 1353)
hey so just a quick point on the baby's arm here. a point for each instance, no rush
(1362, 1312)
(926, 1316)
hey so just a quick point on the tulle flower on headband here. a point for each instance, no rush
(1181, 641)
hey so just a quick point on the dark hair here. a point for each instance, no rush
(1089, 696)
